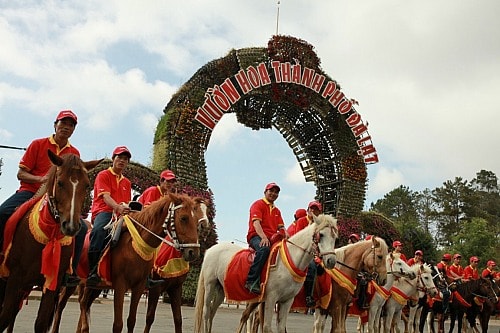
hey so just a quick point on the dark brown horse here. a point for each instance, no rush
(133, 256)
(172, 284)
(46, 229)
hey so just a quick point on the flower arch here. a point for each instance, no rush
(281, 86)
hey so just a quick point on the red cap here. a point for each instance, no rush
(368, 237)
(315, 203)
(396, 243)
(272, 185)
(419, 252)
(473, 259)
(301, 212)
(446, 256)
(354, 236)
(491, 263)
(457, 255)
(121, 150)
(67, 114)
(167, 175)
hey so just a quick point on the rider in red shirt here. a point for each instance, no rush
(489, 271)
(417, 259)
(442, 266)
(265, 220)
(471, 272)
(153, 193)
(455, 270)
(398, 247)
(301, 212)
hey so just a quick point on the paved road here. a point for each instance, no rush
(226, 319)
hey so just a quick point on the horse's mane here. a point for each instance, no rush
(468, 287)
(341, 251)
(160, 207)
(427, 268)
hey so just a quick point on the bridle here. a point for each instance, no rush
(51, 199)
(421, 285)
(315, 252)
(169, 222)
(362, 273)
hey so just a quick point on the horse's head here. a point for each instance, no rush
(438, 278)
(487, 289)
(324, 237)
(374, 258)
(66, 189)
(425, 281)
(397, 267)
(181, 224)
(200, 211)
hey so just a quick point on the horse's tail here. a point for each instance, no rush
(199, 303)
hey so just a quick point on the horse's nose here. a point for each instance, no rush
(191, 254)
(330, 261)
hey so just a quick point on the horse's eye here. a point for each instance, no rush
(184, 219)
(60, 183)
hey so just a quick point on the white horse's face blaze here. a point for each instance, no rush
(326, 234)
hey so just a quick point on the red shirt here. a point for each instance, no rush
(442, 267)
(401, 255)
(36, 161)
(117, 186)
(471, 273)
(150, 195)
(412, 262)
(487, 273)
(455, 271)
(300, 224)
(269, 216)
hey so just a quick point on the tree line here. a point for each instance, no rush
(461, 216)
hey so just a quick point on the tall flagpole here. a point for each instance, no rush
(277, 17)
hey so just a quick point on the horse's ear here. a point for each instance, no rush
(89, 165)
(57, 160)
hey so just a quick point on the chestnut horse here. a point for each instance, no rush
(133, 256)
(46, 229)
(173, 285)
(364, 257)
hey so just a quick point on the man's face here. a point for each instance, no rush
(272, 194)
(120, 162)
(167, 185)
(64, 128)
(314, 210)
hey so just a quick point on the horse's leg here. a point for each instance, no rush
(245, 317)
(137, 292)
(118, 300)
(86, 298)
(46, 311)
(214, 296)
(282, 315)
(12, 301)
(319, 320)
(153, 297)
(64, 296)
(175, 295)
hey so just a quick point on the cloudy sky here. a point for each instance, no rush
(426, 75)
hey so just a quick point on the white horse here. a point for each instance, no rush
(318, 239)
(405, 288)
(396, 269)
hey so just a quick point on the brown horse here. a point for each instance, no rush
(365, 257)
(172, 284)
(133, 256)
(45, 230)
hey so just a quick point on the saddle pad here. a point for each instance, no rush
(169, 262)
(322, 293)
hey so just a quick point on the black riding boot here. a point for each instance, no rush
(308, 290)
(93, 278)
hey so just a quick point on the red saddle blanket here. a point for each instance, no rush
(169, 263)
(322, 293)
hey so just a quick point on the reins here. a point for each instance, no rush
(169, 221)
